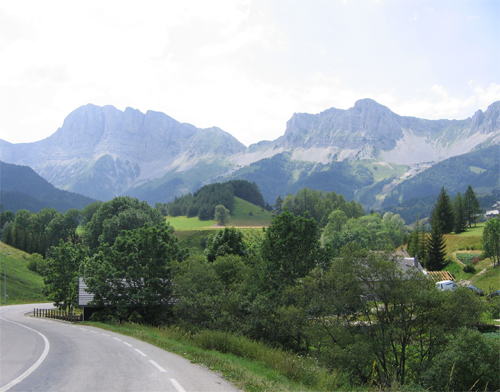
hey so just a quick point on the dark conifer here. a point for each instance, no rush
(459, 210)
(442, 215)
(472, 206)
(435, 258)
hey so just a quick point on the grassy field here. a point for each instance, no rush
(472, 239)
(245, 214)
(182, 223)
(383, 170)
(193, 233)
(23, 285)
(486, 277)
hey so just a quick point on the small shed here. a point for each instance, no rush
(84, 299)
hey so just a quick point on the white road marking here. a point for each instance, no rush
(104, 334)
(176, 385)
(83, 328)
(140, 352)
(128, 344)
(93, 331)
(117, 339)
(157, 366)
(35, 365)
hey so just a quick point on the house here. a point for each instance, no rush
(406, 264)
(491, 214)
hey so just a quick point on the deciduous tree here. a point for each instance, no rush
(228, 241)
(491, 240)
(222, 215)
(290, 250)
(61, 274)
(133, 276)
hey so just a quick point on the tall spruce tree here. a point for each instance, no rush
(472, 206)
(459, 210)
(442, 215)
(435, 258)
(417, 243)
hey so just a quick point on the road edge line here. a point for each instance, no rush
(35, 365)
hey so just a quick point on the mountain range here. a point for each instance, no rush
(364, 152)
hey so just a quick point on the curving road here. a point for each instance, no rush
(46, 355)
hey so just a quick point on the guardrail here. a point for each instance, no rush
(58, 314)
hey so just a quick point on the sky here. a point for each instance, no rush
(244, 66)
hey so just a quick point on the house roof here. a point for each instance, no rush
(408, 263)
(84, 297)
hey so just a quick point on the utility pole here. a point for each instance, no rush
(5, 279)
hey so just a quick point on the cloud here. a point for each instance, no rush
(437, 103)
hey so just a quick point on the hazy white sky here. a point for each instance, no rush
(244, 66)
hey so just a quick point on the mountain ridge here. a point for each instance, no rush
(22, 188)
(102, 152)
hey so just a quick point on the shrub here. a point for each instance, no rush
(469, 362)
(469, 269)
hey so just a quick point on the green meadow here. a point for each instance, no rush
(486, 276)
(193, 233)
(23, 285)
(244, 214)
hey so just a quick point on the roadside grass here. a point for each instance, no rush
(249, 365)
(23, 285)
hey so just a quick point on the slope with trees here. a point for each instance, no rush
(22, 188)
(414, 197)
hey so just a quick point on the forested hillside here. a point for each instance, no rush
(277, 176)
(22, 188)
(203, 202)
(413, 198)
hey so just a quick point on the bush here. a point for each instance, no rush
(493, 307)
(36, 263)
(469, 362)
(469, 269)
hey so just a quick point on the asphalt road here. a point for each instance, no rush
(47, 355)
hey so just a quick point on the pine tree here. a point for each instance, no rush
(278, 206)
(413, 243)
(442, 215)
(418, 242)
(472, 206)
(459, 210)
(435, 258)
